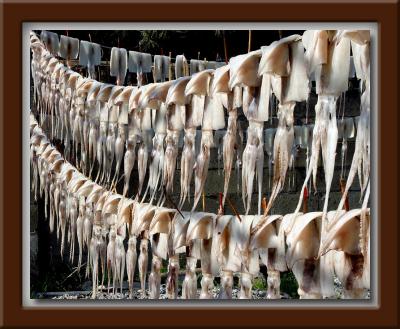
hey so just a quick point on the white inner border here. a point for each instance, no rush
(28, 303)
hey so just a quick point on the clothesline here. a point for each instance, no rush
(152, 56)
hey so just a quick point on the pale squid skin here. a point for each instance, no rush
(87, 236)
(207, 285)
(103, 254)
(328, 146)
(72, 231)
(245, 285)
(201, 165)
(349, 270)
(325, 135)
(52, 188)
(110, 146)
(92, 147)
(98, 253)
(172, 278)
(143, 261)
(85, 142)
(131, 258)
(187, 163)
(253, 158)
(120, 256)
(171, 152)
(361, 157)
(72, 114)
(87, 226)
(76, 135)
(101, 149)
(274, 282)
(157, 163)
(226, 285)
(189, 285)
(155, 278)
(229, 142)
(307, 275)
(119, 152)
(283, 143)
(111, 259)
(56, 200)
(94, 259)
(301, 256)
(129, 162)
(62, 215)
(142, 164)
(35, 174)
(69, 115)
(79, 231)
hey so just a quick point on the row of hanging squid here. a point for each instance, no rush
(106, 124)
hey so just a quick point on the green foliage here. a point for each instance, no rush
(152, 40)
(58, 279)
(289, 284)
(259, 283)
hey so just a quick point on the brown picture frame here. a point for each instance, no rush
(12, 313)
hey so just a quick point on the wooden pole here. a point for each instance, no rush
(170, 68)
(342, 189)
(234, 209)
(220, 208)
(305, 200)
(249, 44)
(264, 204)
(225, 47)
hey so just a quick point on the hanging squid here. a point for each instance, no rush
(177, 245)
(269, 240)
(283, 71)
(121, 102)
(115, 136)
(269, 136)
(144, 113)
(303, 240)
(69, 49)
(343, 245)
(156, 101)
(224, 260)
(175, 102)
(199, 237)
(73, 118)
(84, 124)
(118, 64)
(93, 117)
(89, 56)
(330, 60)
(159, 230)
(243, 73)
(361, 158)
(247, 256)
(142, 216)
(212, 119)
(220, 90)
